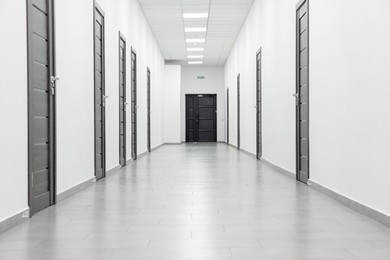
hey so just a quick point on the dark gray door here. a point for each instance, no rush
(201, 118)
(238, 113)
(258, 106)
(100, 97)
(134, 106)
(41, 100)
(148, 104)
(122, 100)
(227, 115)
(302, 94)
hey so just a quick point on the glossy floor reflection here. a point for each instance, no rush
(198, 202)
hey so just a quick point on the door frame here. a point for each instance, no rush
(96, 7)
(297, 107)
(149, 101)
(259, 103)
(215, 96)
(123, 39)
(238, 111)
(53, 107)
(134, 109)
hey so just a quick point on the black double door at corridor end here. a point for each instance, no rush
(201, 118)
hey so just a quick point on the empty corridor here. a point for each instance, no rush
(197, 201)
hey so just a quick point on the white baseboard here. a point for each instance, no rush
(72, 191)
(362, 209)
(14, 220)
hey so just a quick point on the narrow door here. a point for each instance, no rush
(238, 113)
(201, 118)
(302, 95)
(41, 91)
(149, 111)
(122, 100)
(100, 97)
(133, 104)
(258, 106)
(227, 116)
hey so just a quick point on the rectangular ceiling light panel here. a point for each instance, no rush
(195, 49)
(195, 62)
(195, 29)
(195, 56)
(195, 15)
(195, 40)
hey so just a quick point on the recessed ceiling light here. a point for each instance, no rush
(195, 49)
(195, 29)
(195, 56)
(195, 15)
(196, 40)
(195, 62)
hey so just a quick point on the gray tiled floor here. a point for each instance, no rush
(198, 202)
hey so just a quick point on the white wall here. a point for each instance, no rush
(172, 83)
(271, 26)
(13, 108)
(213, 83)
(75, 98)
(349, 93)
(349, 99)
(75, 89)
(75, 92)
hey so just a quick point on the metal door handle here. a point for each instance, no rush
(126, 104)
(104, 100)
(296, 95)
(53, 79)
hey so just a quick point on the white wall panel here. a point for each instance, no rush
(13, 108)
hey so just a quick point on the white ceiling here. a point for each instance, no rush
(226, 18)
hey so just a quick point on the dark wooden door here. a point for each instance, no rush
(100, 96)
(201, 118)
(134, 106)
(258, 107)
(122, 100)
(302, 94)
(238, 112)
(227, 116)
(148, 83)
(41, 95)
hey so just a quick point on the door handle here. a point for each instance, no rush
(53, 81)
(104, 100)
(296, 95)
